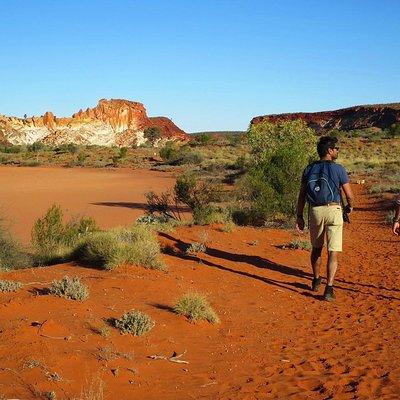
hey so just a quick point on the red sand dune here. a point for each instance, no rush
(277, 340)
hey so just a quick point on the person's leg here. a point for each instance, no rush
(334, 234)
(332, 266)
(316, 266)
(317, 234)
(316, 260)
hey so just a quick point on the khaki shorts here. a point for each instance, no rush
(326, 220)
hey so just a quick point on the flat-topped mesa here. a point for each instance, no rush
(112, 122)
(358, 117)
(120, 114)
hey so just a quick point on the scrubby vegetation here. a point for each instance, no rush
(70, 288)
(12, 254)
(109, 250)
(195, 306)
(297, 244)
(10, 286)
(55, 241)
(134, 322)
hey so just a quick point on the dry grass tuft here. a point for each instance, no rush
(69, 288)
(195, 306)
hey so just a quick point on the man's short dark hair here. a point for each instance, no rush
(325, 143)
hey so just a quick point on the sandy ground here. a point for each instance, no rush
(277, 339)
(113, 197)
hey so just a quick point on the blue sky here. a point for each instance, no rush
(207, 65)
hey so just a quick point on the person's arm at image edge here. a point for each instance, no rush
(301, 202)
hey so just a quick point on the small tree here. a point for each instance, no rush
(280, 152)
(394, 130)
(152, 134)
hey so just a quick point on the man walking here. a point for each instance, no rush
(321, 186)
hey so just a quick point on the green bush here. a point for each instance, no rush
(36, 147)
(280, 153)
(10, 286)
(174, 154)
(12, 254)
(54, 241)
(394, 130)
(203, 139)
(108, 250)
(69, 288)
(209, 214)
(134, 322)
(196, 307)
(152, 134)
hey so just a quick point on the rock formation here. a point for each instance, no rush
(358, 117)
(111, 122)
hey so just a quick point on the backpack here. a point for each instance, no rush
(321, 188)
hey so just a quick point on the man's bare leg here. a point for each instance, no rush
(332, 266)
(316, 260)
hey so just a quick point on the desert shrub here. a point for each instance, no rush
(158, 222)
(10, 286)
(152, 134)
(169, 152)
(14, 149)
(134, 322)
(391, 187)
(394, 130)
(31, 163)
(36, 147)
(195, 248)
(298, 244)
(70, 288)
(12, 254)
(209, 214)
(203, 139)
(280, 152)
(71, 148)
(196, 307)
(193, 192)
(234, 139)
(164, 206)
(55, 241)
(123, 151)
(228, 226)
(80, 159)
(174, 154)
(108, 250)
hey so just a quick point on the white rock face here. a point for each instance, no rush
(114, 122)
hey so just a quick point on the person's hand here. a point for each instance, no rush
(300, 224)
(348, 209)
(396, 228)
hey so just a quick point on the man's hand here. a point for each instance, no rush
(348, 209)
(396, 228)
(300, 224)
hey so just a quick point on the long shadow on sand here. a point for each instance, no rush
(257, 261)
(135, 206)
(263, 263)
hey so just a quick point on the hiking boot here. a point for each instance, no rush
(316, 283)
(329, 295)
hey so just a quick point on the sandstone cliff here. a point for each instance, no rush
(111, 122)
(358, 117)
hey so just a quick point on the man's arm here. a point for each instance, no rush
(396, 219)
(349, 197)
(301, 202)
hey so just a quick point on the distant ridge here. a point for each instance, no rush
(358, 117)
(114, 122)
